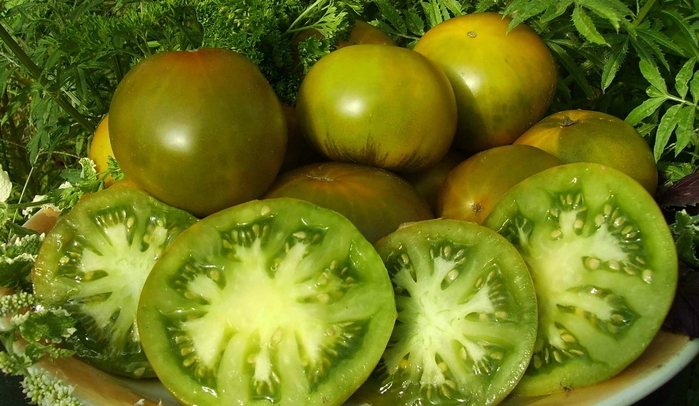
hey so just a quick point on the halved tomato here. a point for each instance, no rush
(604, 266)
(274, 301)
(94, 262)
(467, 317)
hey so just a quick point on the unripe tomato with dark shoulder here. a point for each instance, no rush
(199, 130)
(376, 201)
(594, 136)
(504, 81)
(377, 105)
(474, 186)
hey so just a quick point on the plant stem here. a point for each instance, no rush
(35, 73)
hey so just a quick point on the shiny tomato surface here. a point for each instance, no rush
(504, 81)
(376, 201)
(200, 130)
(382, 106)
(594, 136)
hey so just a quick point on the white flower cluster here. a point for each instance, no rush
(45, 390)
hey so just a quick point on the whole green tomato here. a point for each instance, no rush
(199, 130)
(377, 105)
(504, 80)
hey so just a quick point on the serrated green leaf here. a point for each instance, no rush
(661, 39)
(432, 13)
(586, 27)
(414, 22)
(646, 129)
(485, 5)
(611, 67)
(694, 88)
(555, 11)
(683, 77)
(454, 7)
(644, 110)
(682, 24)
(392, 16)
(685, 128)
(649, 41)
(572, 67)
(611, 10)
(444, 11)
(667, 125)
(650, 71)
(520, 11)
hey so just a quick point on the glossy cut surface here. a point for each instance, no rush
(200, 130)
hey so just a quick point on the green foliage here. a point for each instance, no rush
(685, 229)
(16, 261)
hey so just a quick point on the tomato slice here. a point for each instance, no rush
(94, 262)
(272, 301)
(604, 266)
(467, 317)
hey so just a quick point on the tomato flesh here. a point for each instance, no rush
(467, 317)
(604, 266)
(94, 262)
(272, 301)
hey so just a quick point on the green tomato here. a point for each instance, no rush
(604, 266)
(475, 186)
(594, 136)
(377, 105)
(504, 80)
(376, 201)
(467, 317)
(94, 262)
(274, 301)
(199, 130)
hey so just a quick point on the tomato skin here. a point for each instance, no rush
(191, 128)
(365, 33)
(299, 151)
(593, 136)
(101, 149)
(475, 186)
(376, 201)
(504, 82)
(378, 105)
(429, 181)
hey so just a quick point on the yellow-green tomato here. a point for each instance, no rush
(377, 105)
(504, 81)
(593, 136)
(474, 186)
(200, 130)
